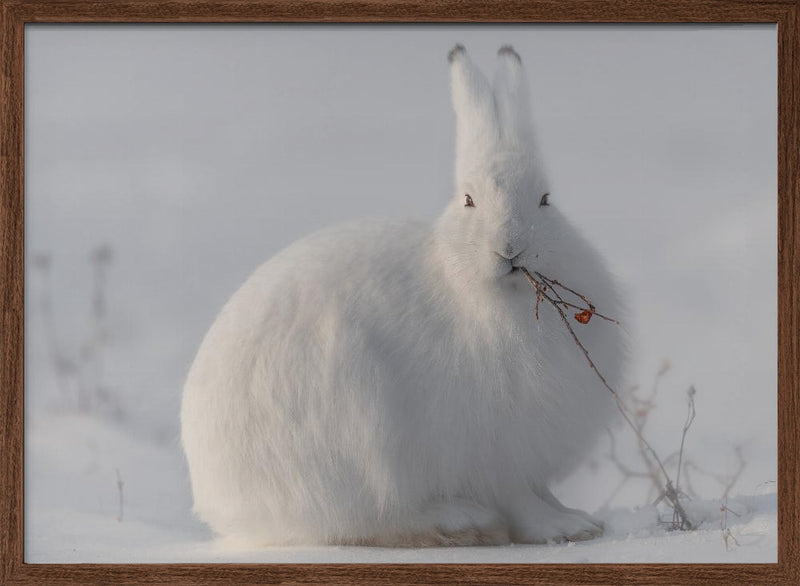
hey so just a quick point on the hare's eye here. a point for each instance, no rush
(470, 203)
(545, 201)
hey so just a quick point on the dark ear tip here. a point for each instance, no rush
(456, 52)
(509, 50)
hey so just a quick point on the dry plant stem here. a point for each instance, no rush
(689, 419)
(727, 535)
(542, 285)
(552, 284)
(726, 481)
(641, 410)
(627, 473)
(60, 363)
(120, 487)
(735, 477)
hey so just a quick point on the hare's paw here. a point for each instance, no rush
(589, 518)
(463, 522)
(557, 527)
(456, 522)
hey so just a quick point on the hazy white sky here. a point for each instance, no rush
(197, 152)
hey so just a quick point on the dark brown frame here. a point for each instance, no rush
(16, 13)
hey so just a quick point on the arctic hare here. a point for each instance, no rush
(387, 383)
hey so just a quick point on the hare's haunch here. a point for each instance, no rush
(397, 391)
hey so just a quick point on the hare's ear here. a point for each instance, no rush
(513, 100)
(477, 129)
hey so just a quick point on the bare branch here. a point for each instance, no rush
(626, 472)
(552, 284)
(543, 287)
(689, 419)
(120, 487)
(727, 536)
(734, 478)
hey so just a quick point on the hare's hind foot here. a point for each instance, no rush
(543, 524)
(558, 528)
(457, 522)
(538, 517)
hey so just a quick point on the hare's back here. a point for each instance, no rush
(358, 262)
(322, 290)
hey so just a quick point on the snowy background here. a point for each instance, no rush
(164, 163)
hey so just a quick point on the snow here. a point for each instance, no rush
(195, 153)
(77, 516)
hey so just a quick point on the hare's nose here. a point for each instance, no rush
(510, 252)
(510, 239)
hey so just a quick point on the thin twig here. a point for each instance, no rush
(739, 469)
(724, 510)
(727, 535)
(689, 419)
(627, 473)
(642, 410)
(552, 283)
(542, 285)
(120, 487)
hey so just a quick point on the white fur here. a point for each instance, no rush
(386, 383)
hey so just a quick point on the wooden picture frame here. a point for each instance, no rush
(17, 13)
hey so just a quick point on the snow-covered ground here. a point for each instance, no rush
(163, 164)
(77, 518)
